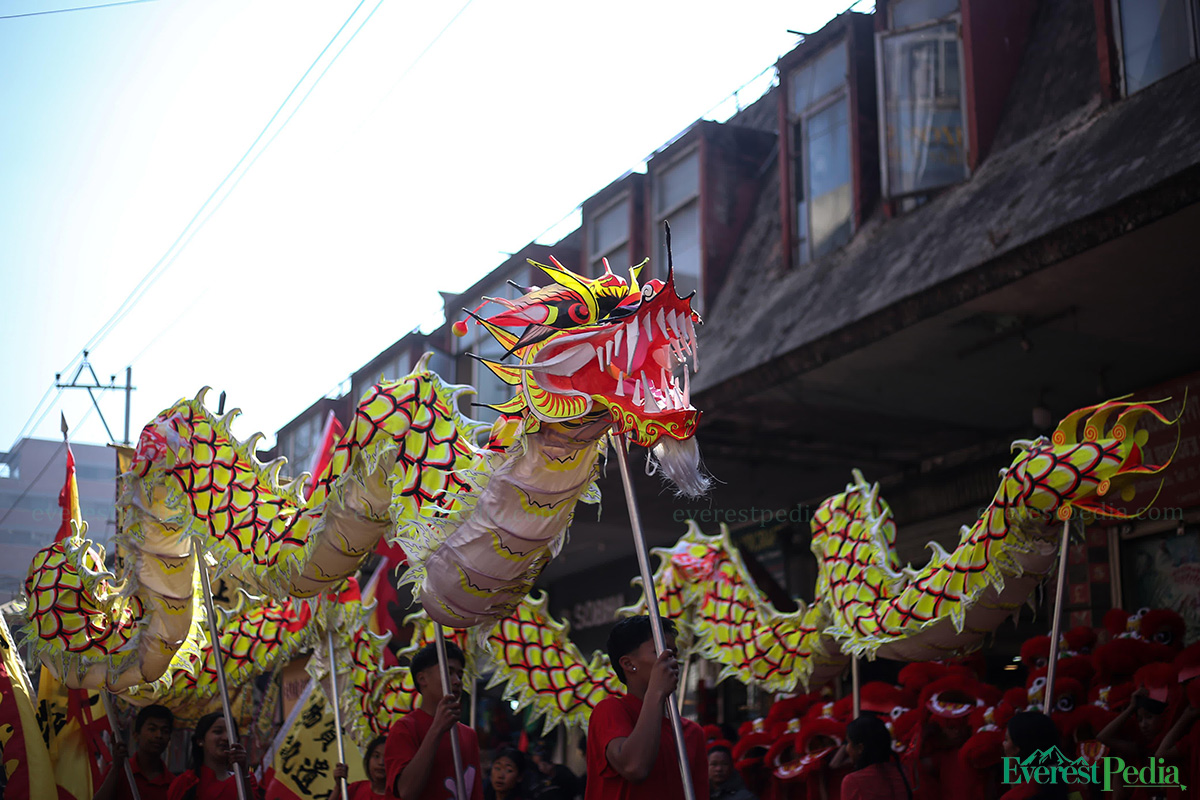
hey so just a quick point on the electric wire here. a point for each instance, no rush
(77, 8)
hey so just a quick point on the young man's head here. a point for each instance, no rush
(152, 729)
(631, 649)
(720, 764)
(424, 668)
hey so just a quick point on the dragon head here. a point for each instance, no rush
(583, 349)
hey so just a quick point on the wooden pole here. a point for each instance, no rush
(460, 785)
(116, 730)
(656, 630)
(855, 686)
(337, 711)
(1056, 623)
(215, 635)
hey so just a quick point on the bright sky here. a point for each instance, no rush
(389, 184)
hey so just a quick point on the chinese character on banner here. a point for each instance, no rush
(304, 762)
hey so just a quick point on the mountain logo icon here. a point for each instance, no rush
(1051, 757)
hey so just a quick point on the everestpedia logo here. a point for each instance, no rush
(1053, 766)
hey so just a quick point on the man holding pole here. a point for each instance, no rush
(631, 750)
(418, 754)
(152, 729)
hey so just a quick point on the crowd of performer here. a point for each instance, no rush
(1129, 690)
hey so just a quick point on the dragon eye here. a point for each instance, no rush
(898, 712)
(1066, 703)
(1163, 637)
(1038, 683)
(647, 292)
(1041, 661)
(578, 313)
(1141, 612)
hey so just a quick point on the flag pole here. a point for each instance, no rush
(116, 731)
(460, 785)
(1056, 623)
(337, 711)
(215, 636)
(656, 630)
(855, 687)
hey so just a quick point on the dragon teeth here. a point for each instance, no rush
(661, 319)
(600, 358)
(691, 329)
(620, 385)
(631, 341)
(608, 351)
(687, 388)
(647, 390)
(673, 321)
(637, 393)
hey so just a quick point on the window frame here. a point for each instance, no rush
(882, 98)
(594, 265)
(658, 217)
(1118, 34)
(803, 245)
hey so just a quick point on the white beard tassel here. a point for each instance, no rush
(679, 463)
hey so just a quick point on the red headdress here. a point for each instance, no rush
(804, 747)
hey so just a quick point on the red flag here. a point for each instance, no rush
(321, 458)
(68, 498)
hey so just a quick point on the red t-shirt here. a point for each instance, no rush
(148, 788)
(406, 736)
(614, 718)
(876, 782)
(359, 790)
(209, 788)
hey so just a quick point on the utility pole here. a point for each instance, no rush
(96, 385)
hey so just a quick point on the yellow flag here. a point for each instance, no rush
(26, 764)
(67, 716)
(307, 754)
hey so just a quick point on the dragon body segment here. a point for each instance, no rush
(878, 609)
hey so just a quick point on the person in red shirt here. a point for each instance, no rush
(152, 730)
(211, 775)
(1029, 732)
(376, 783)
(631, 753)
(418, 755)
(877, 774)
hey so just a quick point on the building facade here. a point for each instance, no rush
(949, 224)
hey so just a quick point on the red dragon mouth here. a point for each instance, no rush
(633, 368)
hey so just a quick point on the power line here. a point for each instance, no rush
(160, 266)
(77, 8)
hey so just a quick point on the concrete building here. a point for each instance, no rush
(31, 477)
(951, 222)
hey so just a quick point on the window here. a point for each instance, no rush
(677, 201)
(610, 238)
(1157, 38)
(819, 105)
(907, 13)
(922, 109)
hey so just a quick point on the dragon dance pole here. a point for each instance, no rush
(855, 686)
(337, 711)
(1056, 624)
(639, 543)
(460, 786)
(215, 635)
(116, 730)
(683, 683)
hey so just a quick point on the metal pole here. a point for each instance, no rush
(460, 785)
(337, 711)
(683, 683)
(474, 704)
(116, 731)
(215, 635)
(128, 394)
(639, 543)
(1056, 623)
(855, 686)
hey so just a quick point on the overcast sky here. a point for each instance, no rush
(391, 182)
